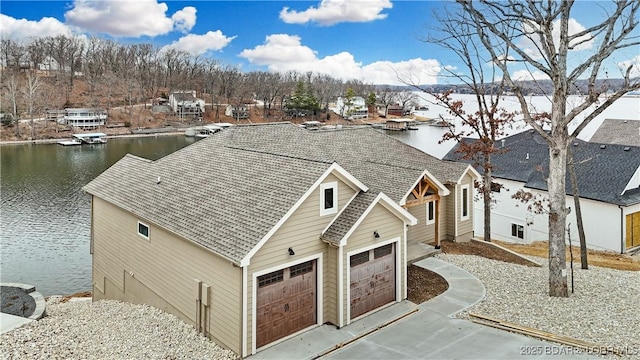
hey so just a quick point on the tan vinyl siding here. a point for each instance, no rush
(388, 226)
(301, 232)
(331, 285)
(161, 272)
(448, 205)
(421, 232)
(465, 227)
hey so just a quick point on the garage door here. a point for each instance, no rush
(286, 302)
(373, 279)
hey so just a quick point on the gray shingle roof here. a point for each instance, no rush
(222, 198)
(348, 217)
(621, 132)
(380, 161)
(228, 191)
(603, 170)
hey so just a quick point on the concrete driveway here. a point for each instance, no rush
(426, 331)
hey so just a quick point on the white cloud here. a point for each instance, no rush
(129, 18)
(282, 52)
(185, 19)
(531, 45)
(633, 63)
(22, 29)
(199, 44)
(331, 12)
(526, 75)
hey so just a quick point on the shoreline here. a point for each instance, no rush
(55, 141)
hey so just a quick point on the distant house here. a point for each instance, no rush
(608, 184)
(395, 110)
(84, 118)
(258, 233)
(356, 109)
(237, 111)
(185, 104)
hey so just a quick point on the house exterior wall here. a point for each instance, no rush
(448, 205)
(602, 221)
(464, 230)
(421, 232)
(161, 271)
(301, 232)
(390, 228)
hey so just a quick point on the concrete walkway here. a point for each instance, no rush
(429, 332)
(10, 322)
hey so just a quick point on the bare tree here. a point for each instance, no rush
(538, 35)
(385, 96)
(12, 89)
(405, 98)
(30, 91)
(480, 128)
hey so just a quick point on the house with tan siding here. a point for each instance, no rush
(261, 232)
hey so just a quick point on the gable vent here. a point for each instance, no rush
(603, 146)
(626, 148)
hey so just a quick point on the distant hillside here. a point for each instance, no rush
(538, 87)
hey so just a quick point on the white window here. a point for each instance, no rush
(329, 198)
(517, 231)
(465, 195)
(431, 212)
(143, 230)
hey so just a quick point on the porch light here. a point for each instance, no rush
(376, 235)
(291, 252)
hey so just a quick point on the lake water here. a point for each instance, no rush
(44, 214)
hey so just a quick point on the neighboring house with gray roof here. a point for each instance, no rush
(621, 132)
(608, 178)
(260, 232)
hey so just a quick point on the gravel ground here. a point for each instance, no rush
(107, 329)
(605, 308)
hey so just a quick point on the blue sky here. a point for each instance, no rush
(369, 40)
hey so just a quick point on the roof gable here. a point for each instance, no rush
(334, 169)
(345, 223)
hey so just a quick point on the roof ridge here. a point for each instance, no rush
(136, 157)
(276, 154)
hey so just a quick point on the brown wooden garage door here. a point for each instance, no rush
(373, 279)
(286, 302)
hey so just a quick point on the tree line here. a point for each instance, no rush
(43, 73)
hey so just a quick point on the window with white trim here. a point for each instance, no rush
(329, 198)
(517, 231)
(143, 230)
(431, 212)
(465, 195)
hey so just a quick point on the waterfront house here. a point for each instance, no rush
(608, 177)
(260, 232)
(186, 105)
(85, 118)
(353, 110)
(237, 111)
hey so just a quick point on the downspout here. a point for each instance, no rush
(244, 312)
(621, 229)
